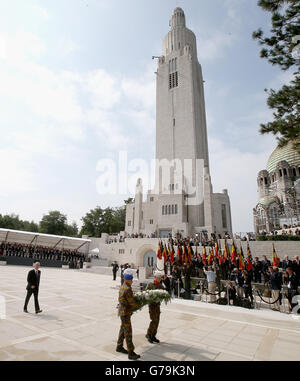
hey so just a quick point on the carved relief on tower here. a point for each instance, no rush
(188, 51)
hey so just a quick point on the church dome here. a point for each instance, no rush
(268, 200)
(280, 154)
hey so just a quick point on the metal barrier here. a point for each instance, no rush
(257, 292)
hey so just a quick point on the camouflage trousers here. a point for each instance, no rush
(126, 333)
(154, 317)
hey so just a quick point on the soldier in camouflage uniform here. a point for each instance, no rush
(127, 306)
(154, 309)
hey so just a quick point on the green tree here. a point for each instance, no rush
(130, 200)
(30, 226)
(98, 221)
(54, 223)
(119, 219)
(13, 222)
(72, 230)
(93, 222)
(277, 49)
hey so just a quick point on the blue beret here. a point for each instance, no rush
(128, 277)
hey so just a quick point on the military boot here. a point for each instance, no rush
(149, 338)
(133, 356)
(121, 350)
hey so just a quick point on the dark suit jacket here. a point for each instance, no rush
(33, 280)
(275, 281)
(285, 264)
(115, 268)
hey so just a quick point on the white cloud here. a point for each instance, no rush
(233, 10)
(140, 93)
(41, 12)
(237, 171)
(60, 103)
(212, 42)
(17, 172)
(103, 88)
(212, 45)
(66, 47)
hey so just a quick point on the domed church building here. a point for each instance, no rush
(278, 191)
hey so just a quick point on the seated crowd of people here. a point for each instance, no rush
(284, 230)
(71, 257)
(194, 240)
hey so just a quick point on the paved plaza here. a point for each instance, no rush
(80, 322)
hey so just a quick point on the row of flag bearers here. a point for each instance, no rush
(186, 254)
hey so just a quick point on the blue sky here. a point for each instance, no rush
(77, 85)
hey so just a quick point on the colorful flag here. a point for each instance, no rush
(178, 253)
(159, 256)
(233, 253)
(216, 249)
(220, 255)
(172, 254)
(165, 254)
(249, 258)
(276, 260)
(210, 256)
(204, 260)
(225, 251)
(189, 254)
(242, 261)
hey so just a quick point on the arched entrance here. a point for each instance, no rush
(150, 259)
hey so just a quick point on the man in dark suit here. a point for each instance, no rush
(167, 283)
(33, 282)
(286, 263)
(290, 279)
(257, 270)
(296, 268)
(115, 268)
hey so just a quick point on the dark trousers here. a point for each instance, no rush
(291, 294)
(114, 275)
(248, 293)
(257, 277)
(36, 301)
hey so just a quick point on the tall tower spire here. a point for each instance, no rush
(181, 132)
(177, 19)
(182, 200)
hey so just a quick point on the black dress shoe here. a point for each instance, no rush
(121, 350)
(39, 311)
(25, 311)
(155, 340)
(133, 356)
(149, 338)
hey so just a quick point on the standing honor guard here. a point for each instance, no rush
(33, 282)
(154, 308)
(127, 306)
